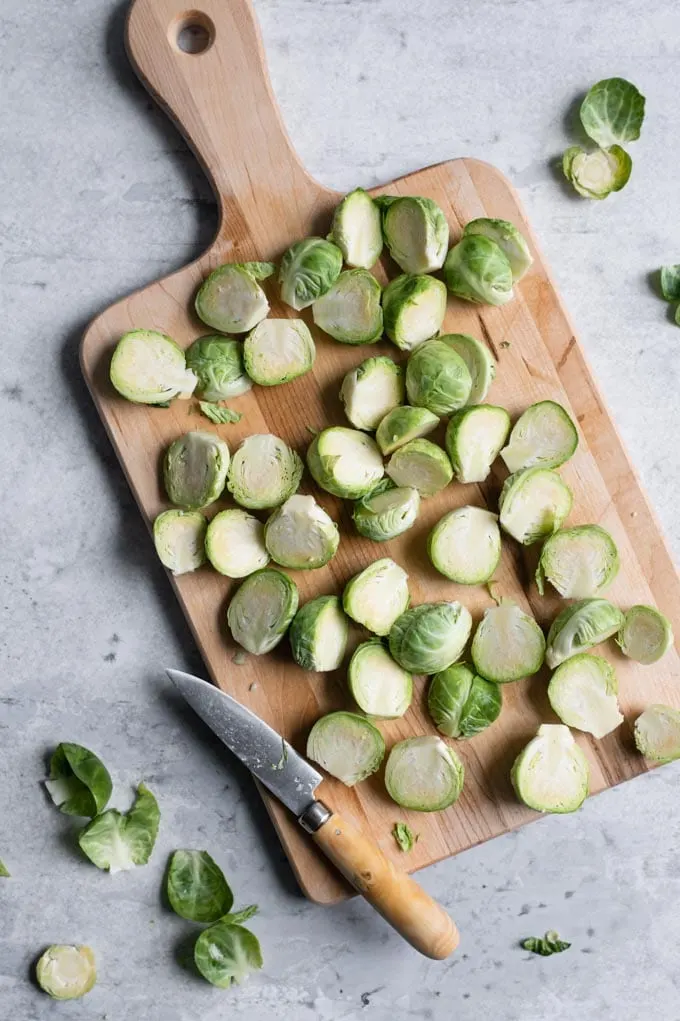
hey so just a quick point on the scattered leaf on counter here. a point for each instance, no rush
(239, 917)
(549, 944)
(4, 873)
(118, 841)
(79, 783)
(196, 887)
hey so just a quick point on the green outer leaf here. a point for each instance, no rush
(226, 954)
(118, 841)
(4, 872)
(545, 946)
(196, 887)
(81, 777)
(258, 270)
(677, 316)
(404, 836)
(237, 917)
(218, 414)
(670, 282)
(461, 703)
(612, 112)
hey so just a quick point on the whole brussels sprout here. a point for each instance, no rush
(308, 270)
(437, 378)
(477, 269)
(429, 637)
(462, 703)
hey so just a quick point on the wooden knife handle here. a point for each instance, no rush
(399, 899)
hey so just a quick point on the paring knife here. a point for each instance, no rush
(399, 899)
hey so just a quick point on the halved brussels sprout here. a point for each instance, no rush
(345, 462)
(424, 774)
(218, 364)
(437, 378)
(465, 545)
(430, 637)
(508, 238)
(645, 635)
(413, 309)
(477, 269)
(318, 634)
(66, 972)
(195, 469)
(149, 368)
(478, 361)
(347, 746)
(351, 311)
(377, 595)
(474, 437)
(308, 270)
(543, 437)
(582, 692)
(235, 543)
(421, 465)
(357, 229)
(462, 703)
(278, 351)
(612, 112)
(551, 774)
(371, 390)
(264, 472)
(387, 511)
(508, 644)
(231, 299)
(300, 534)
(578, 562)
(657, 733)
(261, 610)
(533, 504)
(179, 538)
(580, 627)
(597, 174)
(403, 424)
(379, 686)
(416, 233)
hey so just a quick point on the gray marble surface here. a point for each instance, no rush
(100, 196)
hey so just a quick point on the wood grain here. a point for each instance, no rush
(223, 102)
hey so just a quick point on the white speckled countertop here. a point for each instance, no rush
(100, 196)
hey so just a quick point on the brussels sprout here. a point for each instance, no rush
(645, 635)
(474, 437)
(235, 545)
(416, 233)
(546, 945)
(357, 229)
(195, 469)
(612, 112)
(424, 774)
(551, 774)
(278, 351)
(578, 562)
(582, 692)
(218, 365)
(478, 361)
(670, 282)
(657, 733)
(219, 415)
(477, 269)
(404, 836)
(351, 311)
(299, 534)
(422, 465)
(225, 954)
(261, 610)
(508, 644)
(379, 686)
(347, 746)
(179, 538)
(403, 424)
(66, 972)
(231, 299)
(387, 511)
(580, 627)
(543, 437)
(430, 637)
(508, 238)
(461, 703)
(371, 390)
(377, 595)
(117, 841)
(149, 368)
(308, 270)
(413, 309)
(79, 782)
(465, 545)
(264, 472)
(4, 872)
(533, 504)
(345, 462)
(597, 174)
(318, 634)
(437, 378)
(196, 887)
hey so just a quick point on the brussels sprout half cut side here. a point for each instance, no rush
(301, 535)
(345, 462)
(357, 229)
(461, 703)
(437, 378)
(308, 271)
(580, 627)
(533, 504)
(465, 545)
(195, 470)
(218, 364)
(474, 437)
(416, 233)
(421, 465)
(231, 299)
(318, 634)
(424, 774)
(264, 472)
(379, 686)
(387, 511)
(582, 692)
(235, 543)
(551, 774)
(430, 637)
(347, 746)
(477, 269)
(377, 595)
(413, 310)
(578, 562)
(278, 351)
(351, 311)
(657, 733)
(544, 436)
(508, 239)
(595, 175)
(371, 390)
(645, 635)
(478, 361)
(66, 972)
(508, 644)
(403, 424)
(179, 538)
(261, 610)
(149, 368)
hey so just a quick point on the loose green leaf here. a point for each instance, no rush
(670, 282)
(237, 917)
(4, 873)
(79, 783)
(219, 414)
(226, 954)
(612, 112)
(117, 841)
(404, 836)
(677, 316)
(196, 887)
(546, 945)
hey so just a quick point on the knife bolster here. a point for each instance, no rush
(314, 816)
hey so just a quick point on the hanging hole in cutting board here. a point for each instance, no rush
(192, 33)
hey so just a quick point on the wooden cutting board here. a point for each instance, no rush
(222, 100)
